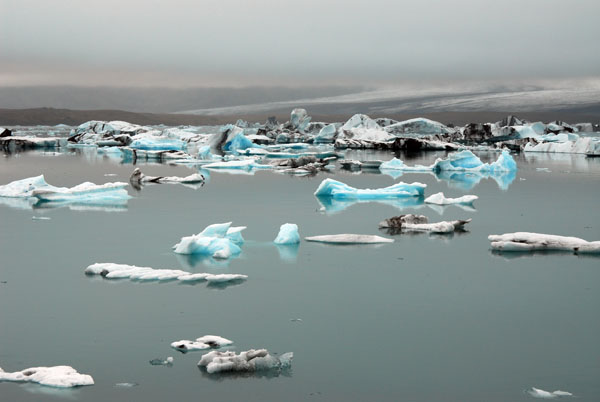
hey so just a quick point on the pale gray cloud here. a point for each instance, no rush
(241, 42)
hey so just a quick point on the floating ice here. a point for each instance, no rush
(56, 376)
(327, 134)
(418, 125)
(299, 119)
(361, 121)
(205, 154)
(335, 189)
(540, 393)
(440, 199)
(155, 143)
(162, 362)
(419, 223)
(239, 164)
(139, 178)
(23, 188)
(40, 218)
(288, 234)
(349, 239)
(584, 145)
(132, 272)
(458, 161)
(526, 241)
(247, 361)
(218, 240)
(202, 343)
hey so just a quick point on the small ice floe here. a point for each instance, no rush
(110, 174)
(40, 218)
(335, 189)
(162, 362)
(540, 393)
(248, 361)
(543, 169)
(440, 199)
(296, 319)
(137, 177)
(56, 376)
(526, 241)
(349, 239)
(126, 384)
(218, 240)
(288, 234)
(202, 343)
(142, 274)
(247, 164)
(419, 223)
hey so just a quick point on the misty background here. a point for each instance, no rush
(202, 56)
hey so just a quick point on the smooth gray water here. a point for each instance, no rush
(427, 318)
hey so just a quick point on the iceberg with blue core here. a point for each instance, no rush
(462, 161)
(288, 234)
(336, 189)
(218, 240)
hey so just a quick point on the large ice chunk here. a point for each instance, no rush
(139, 178)
(84, 192)
(202, 343)
(288, 234)
(526, 241)
(440, 199)
(218, 240)
(152, 142)
(361, 121)
(463, 161)
(247, 361)
(326, 134)
(347, 238)
(56, 376)
(584, 145)
(336, 189)
(299, 119)
(24, 188)
(418, 125)
(247, 164)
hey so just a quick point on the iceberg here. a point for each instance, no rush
(299, 119)
(155, 143)
(247, 361)
(138, 177)
(247, 164)
(23, 188)
(218, 240)
(418, 125)
(336, 189)
(361, 121)
(349, 239)
(162, 362)
(205, 154)
(202, 343)
(463, 161)
(583, 145)
(526, 241)
(288, 234)
(56, 376)
(540, 393)
(326, 134)
(143, 274)
(440, 199)
(419, 223)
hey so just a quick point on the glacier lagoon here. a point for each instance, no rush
(425, 318)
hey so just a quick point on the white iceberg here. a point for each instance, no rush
(288, 234)
(218, 240)
(202, 343)
(440, 199)
(583, 145)
(247, 361)
(418, 125)
(361, 121)
(132, 272)
(299, 119)
(336, 189)
(56, 376)
(540, 393)
(326, 134)
(347, 238)
(526, 241)
(247, 164)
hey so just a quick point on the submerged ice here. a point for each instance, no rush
(248, 361)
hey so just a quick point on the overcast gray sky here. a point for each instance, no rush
(248, 42)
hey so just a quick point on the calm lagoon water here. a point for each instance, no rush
(427, 318)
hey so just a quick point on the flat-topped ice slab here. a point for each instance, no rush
(527, 241)
(440, 199)
(348, 238)
(419, 223)
(56, 376)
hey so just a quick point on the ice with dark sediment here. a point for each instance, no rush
(56, 376)
(202, 343)
(247, 361)
(140, 178)
(420, 223)
(527, 241)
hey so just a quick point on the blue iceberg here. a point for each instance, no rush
(288, 234)
(153, 143)
(332, 205)
(338, 190)
(218, 240)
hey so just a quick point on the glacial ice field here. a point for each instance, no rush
(427, 317)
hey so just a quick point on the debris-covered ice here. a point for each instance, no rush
(336, 189)
(138, 177)
(420, 223)
(440, 199)
(218, 240)
(248, 361)
(349, 239)
(540, 393)
(141, 274)
(288, 234)
(526, 241)
(56, 376)
(202, 343)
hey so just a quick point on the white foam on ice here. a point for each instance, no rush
(56, 376)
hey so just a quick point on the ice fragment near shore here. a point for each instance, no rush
(288, 234)
(335, 189)
(202, 343)
(56, 376)
(440, 199)
(247, 361)
(526, 241)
